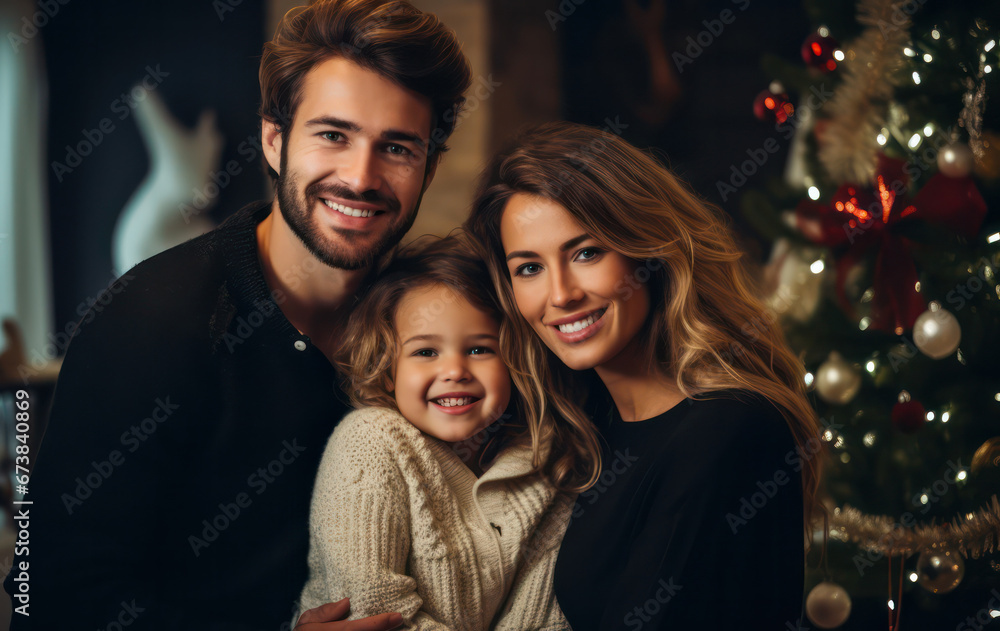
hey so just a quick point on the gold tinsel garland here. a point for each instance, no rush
(974, 535)
(849, 150)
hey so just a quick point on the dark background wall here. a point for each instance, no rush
(96, 51)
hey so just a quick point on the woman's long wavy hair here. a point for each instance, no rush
(707, 327)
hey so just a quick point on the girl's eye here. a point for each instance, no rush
(528, 269)
(424, 352)
(481, 350)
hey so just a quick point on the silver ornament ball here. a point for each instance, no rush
(955, 160)
(940, 571)
(828, 605)
(936, 332)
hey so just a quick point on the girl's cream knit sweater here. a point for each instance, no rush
(400, 523)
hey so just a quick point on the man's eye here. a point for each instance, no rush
(334, 136)
(398, 150)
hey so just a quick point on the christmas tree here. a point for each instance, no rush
(884, 272)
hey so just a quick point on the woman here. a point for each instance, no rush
(617, 280)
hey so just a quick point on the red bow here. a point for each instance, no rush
(859, 220)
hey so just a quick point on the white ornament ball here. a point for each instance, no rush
(936, 332)
(836, 380)
(955, 160)
(828, 605)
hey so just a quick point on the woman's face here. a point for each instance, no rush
(581, 298)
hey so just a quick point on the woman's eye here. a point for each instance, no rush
(528, 269)
(588, 254)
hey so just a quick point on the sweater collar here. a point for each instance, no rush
(245, 279)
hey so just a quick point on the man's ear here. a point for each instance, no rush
(270, 141)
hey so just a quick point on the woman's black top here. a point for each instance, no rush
(695, 522)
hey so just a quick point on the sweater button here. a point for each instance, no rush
(299, 345)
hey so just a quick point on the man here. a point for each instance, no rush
(172, 487)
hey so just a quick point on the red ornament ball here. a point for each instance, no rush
(817, 52)
(773, 107)
(908, 416)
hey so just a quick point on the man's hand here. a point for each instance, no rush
(330, 617)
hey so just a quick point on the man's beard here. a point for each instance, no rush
(298, 215)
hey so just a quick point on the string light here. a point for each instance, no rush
(813, 193)
(838, 55)
(993, 238)
(928, 130)
(915, 139)
(865, 322)
(989, 45)
(916, 77)
(909, 52)
(816, 267)
(825, 32)
(961, 475)
(930, 416)
(870, 366)
(869, 439)
(809, 379)
(936, 34)
(928, 58)
(913, 577)
(881, 139)
(987, 69)
(945, 416)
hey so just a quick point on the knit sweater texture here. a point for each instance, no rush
(399, 523)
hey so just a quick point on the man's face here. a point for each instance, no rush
(353, 165)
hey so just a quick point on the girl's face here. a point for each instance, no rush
(449, 380)
(582, 299)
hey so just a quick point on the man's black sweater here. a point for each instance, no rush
(172, 487)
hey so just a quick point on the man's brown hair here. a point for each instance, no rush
(389, 37)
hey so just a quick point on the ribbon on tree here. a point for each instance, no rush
(859, 221)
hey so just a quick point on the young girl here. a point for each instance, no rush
(427, 501)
